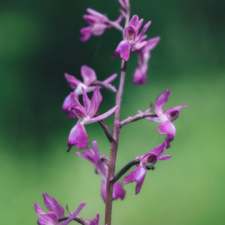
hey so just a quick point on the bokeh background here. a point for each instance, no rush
(39, 41)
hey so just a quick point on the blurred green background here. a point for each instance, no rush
(39, 41)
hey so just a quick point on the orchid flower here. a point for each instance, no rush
(85, 115)
(97, 24)
(165, 118)
(132, 40)
(93, 156)
(56, 212)
(147, 162)
(140, 73)
(89, 78)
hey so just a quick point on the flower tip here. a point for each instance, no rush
(69, 148)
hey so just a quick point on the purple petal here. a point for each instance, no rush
(78, 137)
(97, 14)
(53, 206)
(146, 26)
(102, 117)
(67, 104)
(140, 75)
(118, 191)
(95, 102)
(88, 75)
(130, 33)
(161, 101)
(123, 50)
(103, 190)
(99, 28)
(139, 185)
(85, 33)
(95, 220)
(173, 113)
(38, 210)
(151, 43)
(72, 81)
(86, 101)
(167, 128)
(74, 214)
(165, 157)
(135, 175)
(134, 21)
(138, 45)
(158, 150)
(48, 219)
(110, 79)
(88, 155)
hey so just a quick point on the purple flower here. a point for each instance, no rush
(147, 162)
(85, 115)
(140, 73)
(95, 221)
(132, 40)
(89, 78)
(102, 170)
(97, 24)
(56, 212)
(165, 118)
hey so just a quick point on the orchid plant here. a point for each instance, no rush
(134, 42)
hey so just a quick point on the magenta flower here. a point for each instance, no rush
(132, 40)
(147, 162)
(140, 73)
(102, 170)
(89, 78)
(56, 212)
(165, 118)
(97, 24)
(85, 115)
(95, 221)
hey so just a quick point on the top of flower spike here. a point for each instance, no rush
(132, 40)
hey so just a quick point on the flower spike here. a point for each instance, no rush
(147, 162)
(78, 135)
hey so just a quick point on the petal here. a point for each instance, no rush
(167, 128)
(103, 190)
(140, 75)
(146, 26)
(72, 81)
(103, 116)
(134, 21)
(110, 79)
(139, 185)
(85, 33)
(53, 206)
(38, 210)
(123, 50)
(88, 75)
(135, 175)
(130, 33)
(95, 220)
(48, 219)
(95, 102)
(118, 191)
(151, 43)
(165, 157)
(74, 214)
(173, 113)
(78, 137)
(88, 155)
(97, 14)
(86, 101)
(99, 28)
(158, 150)
(67, 104)
(138, 45)
(161, 101)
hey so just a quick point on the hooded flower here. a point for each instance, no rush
(132, 40)
(85, 115)
(140, 73)
(56, 212)
(102, 170)
(97, 24)
(147, 162)
(89, 77)
(165, 118)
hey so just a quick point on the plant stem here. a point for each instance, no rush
(114, 146)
